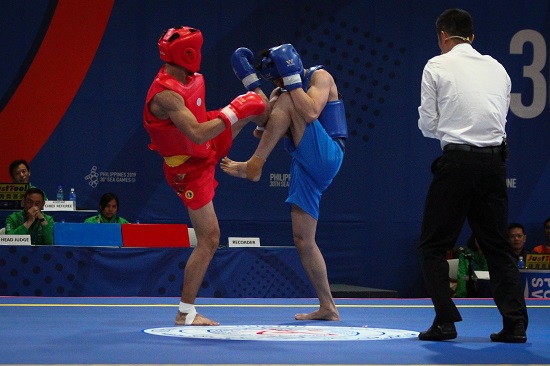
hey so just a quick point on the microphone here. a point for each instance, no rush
(465, 39)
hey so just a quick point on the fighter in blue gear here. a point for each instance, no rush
(301, 100)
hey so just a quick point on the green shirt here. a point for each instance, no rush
(100, 219)
(40, 235)
(479, 263)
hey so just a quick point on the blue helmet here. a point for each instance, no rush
(267, 69)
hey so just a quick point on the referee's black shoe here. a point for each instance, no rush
(440, 332)
(515, 335)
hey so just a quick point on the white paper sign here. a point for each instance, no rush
(15, 239)
(482, 275)
(243, 242)
(60, 206)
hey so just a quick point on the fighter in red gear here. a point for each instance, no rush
(191, 141)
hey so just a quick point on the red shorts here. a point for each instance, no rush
(194, 180)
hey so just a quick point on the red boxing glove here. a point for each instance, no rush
(246, 105)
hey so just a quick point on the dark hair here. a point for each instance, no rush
(260, 55)
(546, 221)
(456, 22)
(106, 198)
(515, 225)
(33, 191)
(14, 164)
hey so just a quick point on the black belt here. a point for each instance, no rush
(475, 149)
(341, 141)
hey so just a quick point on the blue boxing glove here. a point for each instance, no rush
(289, 65)
(241, 62)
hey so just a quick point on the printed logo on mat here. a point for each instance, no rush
(283, 333)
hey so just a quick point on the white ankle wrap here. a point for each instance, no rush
(190, 310)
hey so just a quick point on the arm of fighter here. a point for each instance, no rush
(289, 65)
(168, 104)
(310, 105)
(243, 107)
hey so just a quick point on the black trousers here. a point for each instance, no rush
(470, 185)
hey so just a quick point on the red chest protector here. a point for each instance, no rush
(166, 138)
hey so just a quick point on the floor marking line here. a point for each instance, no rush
(247, 364)
(259, 306)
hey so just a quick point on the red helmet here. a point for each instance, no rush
(182, 46)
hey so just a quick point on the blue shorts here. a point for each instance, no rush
(315, 163)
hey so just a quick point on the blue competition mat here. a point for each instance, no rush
(256, 331)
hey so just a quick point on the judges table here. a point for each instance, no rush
(259, 272)
(536, 283)
(58, 216)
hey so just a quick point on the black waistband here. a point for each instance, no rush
(341, 141)
(475, 149)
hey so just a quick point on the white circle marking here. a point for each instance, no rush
(283, 333)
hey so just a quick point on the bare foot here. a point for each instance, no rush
(199, 320)
(319, 315)
(251, 169)
(233, 168)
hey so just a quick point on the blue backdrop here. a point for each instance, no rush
(376, 50)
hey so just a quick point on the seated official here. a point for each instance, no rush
(108, 211)
(517, 238)
(20, 172)
(544, 248)
(31, 220)
(470, 260)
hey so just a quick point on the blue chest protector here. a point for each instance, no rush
(333, 116)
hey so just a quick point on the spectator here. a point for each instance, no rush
(31, 220)
(544, 248)
(469, 260)
(517, 237)
(108, 211)
(21, 173)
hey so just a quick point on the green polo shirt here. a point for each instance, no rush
(40, 235)
(100, 219)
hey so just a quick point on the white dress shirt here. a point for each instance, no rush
(465, 98)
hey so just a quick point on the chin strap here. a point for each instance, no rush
(190, 310)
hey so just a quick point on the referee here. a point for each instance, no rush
(464, 101)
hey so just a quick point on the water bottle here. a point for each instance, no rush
(72, 196)
(59, 196)
(521, 262)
